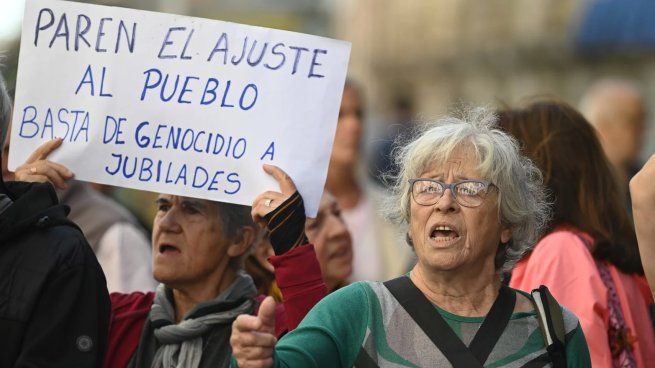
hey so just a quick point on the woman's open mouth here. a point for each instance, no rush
(168, 249)
(443, 235)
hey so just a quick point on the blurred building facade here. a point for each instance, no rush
(444, 52)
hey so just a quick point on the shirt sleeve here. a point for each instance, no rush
(562, 262)
(124, 253)
(332, 333)
(577, 352)
(299, 277)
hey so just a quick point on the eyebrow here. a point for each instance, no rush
(193, 202)
(162, 201)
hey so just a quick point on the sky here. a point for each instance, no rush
(11, 16)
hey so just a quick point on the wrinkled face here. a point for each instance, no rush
(188, 244)
(345, 150)
(448, 236)
(331, 241)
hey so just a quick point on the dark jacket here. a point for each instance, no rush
(54, 305)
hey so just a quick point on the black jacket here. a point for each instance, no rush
(54, 305)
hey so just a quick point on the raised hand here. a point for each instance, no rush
(267, 202)
(38, 168)
(253, 337)
(281, 213)
(642, 192)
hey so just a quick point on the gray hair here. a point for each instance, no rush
(234, 217)
(522, 204)
(5, 110)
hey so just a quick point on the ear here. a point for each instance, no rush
(505, 235)
(242, 242)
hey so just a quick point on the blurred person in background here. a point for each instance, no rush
(377, 255)
(642, 189)
(118, 241)
(588, 257)
(332, 243)
(54, 305)
(381, 162)
(618, 112)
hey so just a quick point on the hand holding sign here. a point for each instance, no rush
(174, 104)
(38, 168)
(268, 201)
(282, 214)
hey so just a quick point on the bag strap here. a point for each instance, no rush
(551, 321)
(424, 313)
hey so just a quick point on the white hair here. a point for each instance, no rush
(522, 204)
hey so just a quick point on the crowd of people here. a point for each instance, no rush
(515, 237)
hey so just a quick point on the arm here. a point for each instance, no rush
(562, 262)
(71, 318)
(299, 277)
(331, 335)
(297, 270)
(642, 191)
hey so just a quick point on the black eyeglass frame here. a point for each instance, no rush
(452, 186)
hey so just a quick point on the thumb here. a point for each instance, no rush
(266, 314)
(287, 186)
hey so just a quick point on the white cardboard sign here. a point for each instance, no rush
(176, 104)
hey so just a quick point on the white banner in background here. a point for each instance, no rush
(176, 104)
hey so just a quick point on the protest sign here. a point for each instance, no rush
(176, 104)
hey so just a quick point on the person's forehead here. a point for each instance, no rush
(177, 198)
(460, 159)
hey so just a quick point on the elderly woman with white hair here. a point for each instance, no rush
(472, 205)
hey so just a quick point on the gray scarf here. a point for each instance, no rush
(181, 344)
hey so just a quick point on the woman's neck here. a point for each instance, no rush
(343, 185)
(187, 297)
(467, 294)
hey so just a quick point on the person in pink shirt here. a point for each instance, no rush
(588, 255)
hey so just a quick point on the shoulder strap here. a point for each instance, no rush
(551, 321)
(435, 327)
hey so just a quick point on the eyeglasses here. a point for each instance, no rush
(468, 193)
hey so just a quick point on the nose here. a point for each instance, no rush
(170, 222)
(447, 202)
(336, 228)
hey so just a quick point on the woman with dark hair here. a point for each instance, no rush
(588, 256)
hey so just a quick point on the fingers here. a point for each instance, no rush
(266, 314)
(33, 179)
(264, 204)
(253, 343)
(286, 184)
(261, 363)
(53, 172)
(45, 150)
(38, 169)
(250, 347)
(246, 323)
